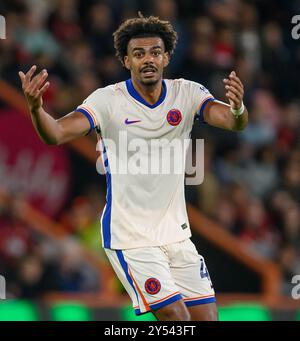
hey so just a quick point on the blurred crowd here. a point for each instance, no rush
(252, 178)
(35, 263)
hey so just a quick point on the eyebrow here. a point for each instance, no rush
(142, 49)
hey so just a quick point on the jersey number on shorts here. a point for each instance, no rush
(204, 272)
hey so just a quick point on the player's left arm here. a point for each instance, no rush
(231, 117)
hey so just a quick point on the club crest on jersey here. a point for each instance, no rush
(174, 117)
(152, 286)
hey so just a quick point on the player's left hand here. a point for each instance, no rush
(234, 90)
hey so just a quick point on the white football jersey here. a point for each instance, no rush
(145, 206)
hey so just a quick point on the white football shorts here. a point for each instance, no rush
(157, 276)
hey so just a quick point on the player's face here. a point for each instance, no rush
(146, 59)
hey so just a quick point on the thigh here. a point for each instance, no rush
(146, 276)
(191, 276)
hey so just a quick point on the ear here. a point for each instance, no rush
(166, 59)
(126, 62)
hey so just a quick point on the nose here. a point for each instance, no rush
(149, 58)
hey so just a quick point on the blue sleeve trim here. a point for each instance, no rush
(200, 301)
(170, 300)
(88, 116)
(201, 118)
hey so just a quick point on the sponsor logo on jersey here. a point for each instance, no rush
(131, 122)
(203, 88)
(174, 117)
(152, 286)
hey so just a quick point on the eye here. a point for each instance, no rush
(138, 54)
(156, 53)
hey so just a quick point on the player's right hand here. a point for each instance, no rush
(34, 87)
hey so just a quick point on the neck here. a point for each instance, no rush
(150, 93)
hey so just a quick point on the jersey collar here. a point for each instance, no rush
(132, 91)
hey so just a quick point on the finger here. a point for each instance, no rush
(235, 84)
(231, 96)
(44, 88)
(236, 90)
(38, 80)
(237, 94)
(238, 81)
(35, 81)
(233, 81)
(234, 77)
(29, 74)
(22, 77)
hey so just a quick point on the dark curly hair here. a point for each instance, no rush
(143, 27)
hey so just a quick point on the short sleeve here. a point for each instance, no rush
(96, 108)
(201, 96)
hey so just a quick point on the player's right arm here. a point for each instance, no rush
(50, 130)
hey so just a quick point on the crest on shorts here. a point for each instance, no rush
(152, 286)
(174, 117)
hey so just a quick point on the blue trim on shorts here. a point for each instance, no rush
(200, 301)
(170, 300)
(138, 312)
(125, 269)
(159, 305)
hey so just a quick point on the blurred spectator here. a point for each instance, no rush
(289, 255)
(73, 274)
(291, 179)
(260, 130)
(198, 64)
(226, 214)
(208, 191)
(261, 174)
(168, 10)
(99, 27)
(258, 232)
(33, 36)
(248, 38)
(64, 22)
(287, 132)
(276, 58)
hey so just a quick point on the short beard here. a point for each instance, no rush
(150, 82)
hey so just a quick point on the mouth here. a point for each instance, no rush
(148, 71)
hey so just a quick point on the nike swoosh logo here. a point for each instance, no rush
(131, 122)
